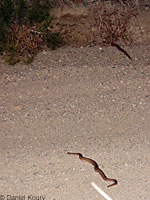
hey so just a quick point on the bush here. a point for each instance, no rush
(21, 11)
(113, 25)
(6, 11)
(53, 40)
(39, 11)
(25, 29)
(25, 42)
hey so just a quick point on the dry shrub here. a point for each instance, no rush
(27, 40)
(113, 25)
(24, 44)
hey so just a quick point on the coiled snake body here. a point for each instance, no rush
(96, 168)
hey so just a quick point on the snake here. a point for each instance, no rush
(96, 168)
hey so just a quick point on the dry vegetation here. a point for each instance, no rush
(111, 22)
(113, 25)
(26, 42)
(72, 22)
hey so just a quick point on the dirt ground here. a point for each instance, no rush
(92, 100)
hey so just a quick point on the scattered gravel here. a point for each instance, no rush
(92, 100)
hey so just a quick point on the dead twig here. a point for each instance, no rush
(121, 49)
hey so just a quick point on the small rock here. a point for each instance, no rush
(19, 107)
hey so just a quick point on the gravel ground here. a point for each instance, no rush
(89, 100)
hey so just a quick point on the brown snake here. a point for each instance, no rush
(96, 168)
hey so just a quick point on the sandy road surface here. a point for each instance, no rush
(89, 100)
